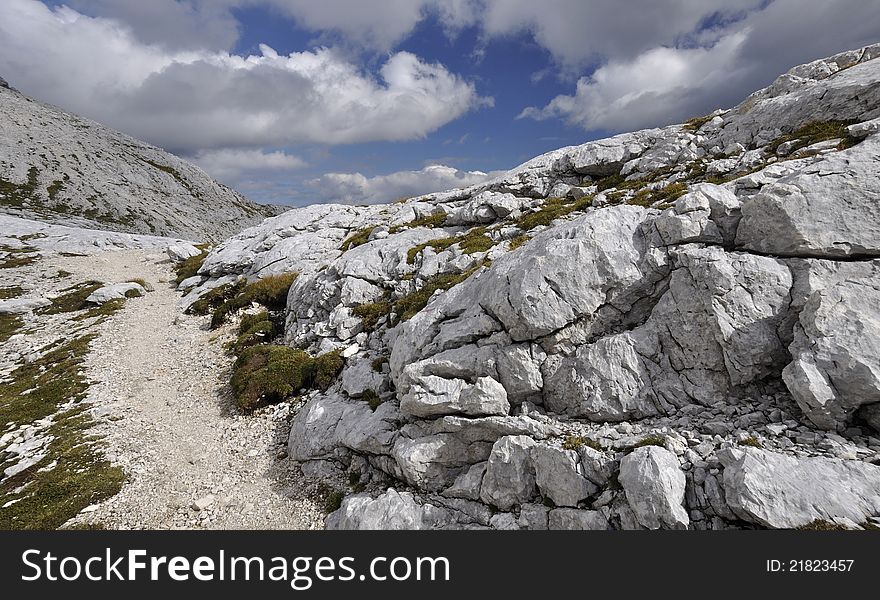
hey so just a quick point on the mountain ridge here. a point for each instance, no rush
(58, 167)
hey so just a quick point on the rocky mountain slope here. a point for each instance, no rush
(58, 167)
(670, 328)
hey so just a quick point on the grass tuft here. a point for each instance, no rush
(358, 238)
(552, 209)
(266, 374)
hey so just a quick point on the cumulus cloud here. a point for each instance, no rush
(192, 100)
(666, 84)
(656, 87)
(355, 188)
(176, 24)
(231, 165)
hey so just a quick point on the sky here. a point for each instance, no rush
(365, 101)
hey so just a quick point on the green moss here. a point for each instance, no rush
(18, 257)
(471, 242)
(552, 209)
(325, 369)
(12, 291)
(648, 197)
(102, 311)
(189, 267)
(372, 312)
(54, 189)
(19, 194)
(248, 321)
(270, 292)
(9, 326)
(411, 304)
(575, 442)
(258, 333)
(333, 501)
(45, 495)
(73, 300)
(266, 374)
(360, 237)
(813, 133)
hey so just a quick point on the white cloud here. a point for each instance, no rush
(192, 100)
(231, 165)
(666, 84)
(355, 188)
(657, 87)
(176, 24)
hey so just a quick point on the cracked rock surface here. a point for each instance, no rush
(669, 328)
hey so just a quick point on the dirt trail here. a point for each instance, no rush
(159, 390)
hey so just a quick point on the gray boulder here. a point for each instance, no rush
(559, 477)
(392, 510)
(115, 291)
(784, 492)
(654, 485)
(570, 519)
(510, 474)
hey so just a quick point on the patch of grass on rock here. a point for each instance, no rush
(576, 442)
(46, 495)
(372, 312)
(9, 326)
(72, 300)
(267, 374)
(552, 209)
(189, 267)
(358, 238)
(12, 291)
(813, 133)
(410, 305)
(270, 292)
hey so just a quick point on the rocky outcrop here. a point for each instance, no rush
(588, 340)
(784, 492)
(60, 168)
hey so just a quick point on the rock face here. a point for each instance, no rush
(57, 167)
(585, 341)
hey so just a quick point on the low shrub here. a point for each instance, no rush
(189, 267)
(266, 374)
(270, 292)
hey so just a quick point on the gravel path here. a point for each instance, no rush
(160, 392)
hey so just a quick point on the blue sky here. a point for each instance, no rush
(300, 101)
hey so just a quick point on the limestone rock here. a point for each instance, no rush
(654, 485)
(392, 510)
(510, 474)
(558, 476)
(784, 492)
(180, 252)
(115, 291)
(570, 519)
